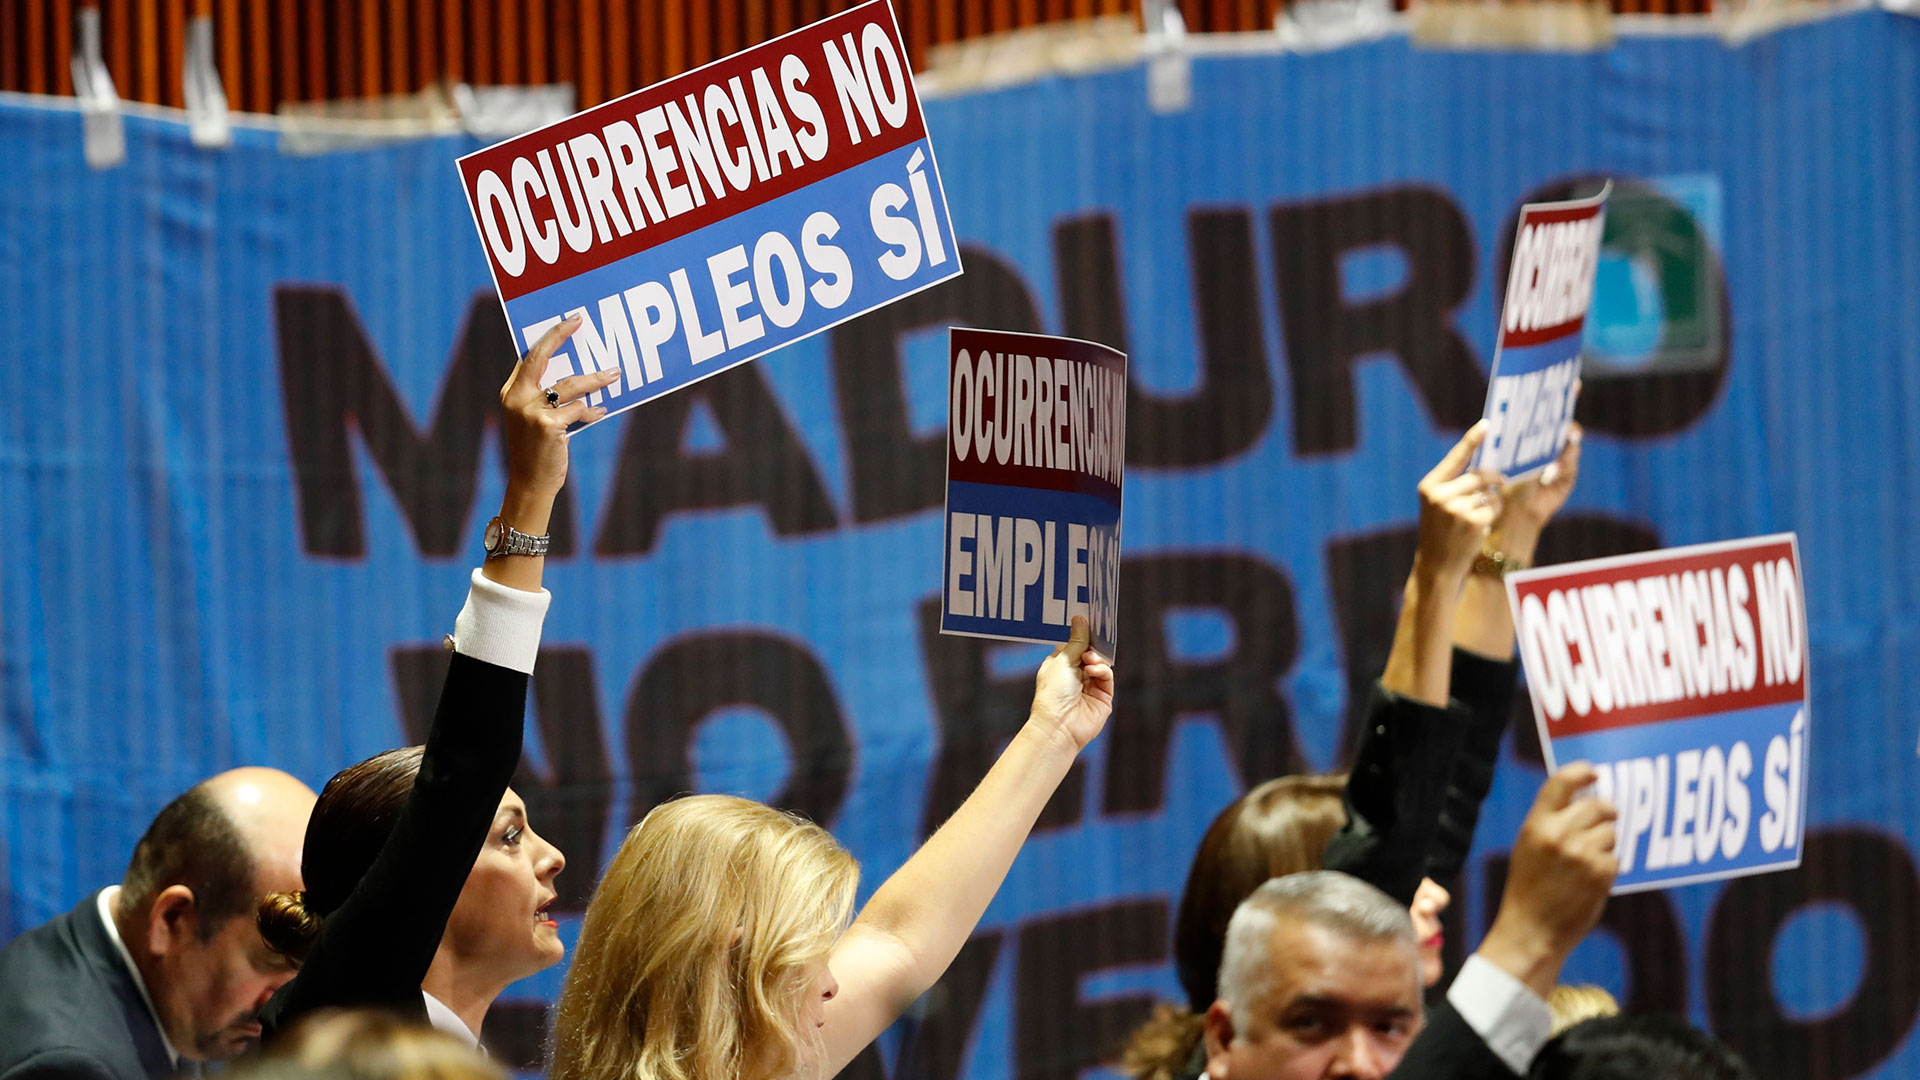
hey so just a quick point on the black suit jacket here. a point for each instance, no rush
(69, 1008)
(374, 950)
(1447, 1049)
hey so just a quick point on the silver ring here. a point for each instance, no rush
(553, 397)
(1480, 499)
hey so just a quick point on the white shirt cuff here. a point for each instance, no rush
(1510, 1018)
(500, 625)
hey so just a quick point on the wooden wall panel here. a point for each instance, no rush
(270, 51)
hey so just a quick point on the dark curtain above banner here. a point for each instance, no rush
(246, 455)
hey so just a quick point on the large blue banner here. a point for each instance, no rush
(246, 454)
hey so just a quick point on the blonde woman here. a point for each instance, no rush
(717, 945)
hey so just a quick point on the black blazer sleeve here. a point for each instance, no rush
(376, 948)
(1485, 688)
(1394, 793)
(1447, 1049)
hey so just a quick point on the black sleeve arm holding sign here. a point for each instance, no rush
(1396, 790)
(1485, 688)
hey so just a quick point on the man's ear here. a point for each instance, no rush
(173, 920)
(1219, 1036)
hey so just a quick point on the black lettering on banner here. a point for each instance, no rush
(1057, 1033)
(1229, 411)
(1873, 877)
(764, 462)
(1240, 689)
(978, 713)
(1365, 575)
(689, 678)
(935, 1033)
(1674, 386)
(331, 377)
(893, 470)
(570, 799)
(1646, 926)
(1327, 335)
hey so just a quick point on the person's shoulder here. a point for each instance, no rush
(58, 1010)
(62, 1063)
(59, 952)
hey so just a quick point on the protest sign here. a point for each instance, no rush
(718, 215)
(1536, 354)
(1036, 443)
(1682, 676)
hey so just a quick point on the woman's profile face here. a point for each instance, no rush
(813, 1006)
(502, 923)
(1429, 901)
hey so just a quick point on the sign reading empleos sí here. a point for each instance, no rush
(1036, 444)
(721, 214)
(1536, 355)
(1682, 676)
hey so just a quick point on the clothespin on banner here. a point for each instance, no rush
(1169, 69)
(1317, 25)
(103, 128)
(200, 84)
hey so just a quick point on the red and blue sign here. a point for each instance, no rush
(1536, 357)
(1036, 447)
(714, 217)
(1682, 676)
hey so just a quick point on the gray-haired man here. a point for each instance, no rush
(1320, 977)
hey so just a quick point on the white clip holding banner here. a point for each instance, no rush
(1169, 69)
(104, 128)
(1318, 25)
(200, 85)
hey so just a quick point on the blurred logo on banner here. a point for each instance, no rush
(1657, 300)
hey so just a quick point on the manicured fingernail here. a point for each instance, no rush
(1575, 435)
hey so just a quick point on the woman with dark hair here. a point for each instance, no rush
(1403, 820)
(426, 889)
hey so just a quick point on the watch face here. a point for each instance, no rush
(491, 538)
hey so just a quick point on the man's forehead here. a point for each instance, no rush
(1324, 965)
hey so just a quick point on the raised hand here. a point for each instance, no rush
(536, 424)
(1562, 868)
(1457, 510)
(1529, 504)
(1073, 692)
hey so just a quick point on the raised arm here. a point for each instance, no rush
(375, 945)
(1457, 511)
(916, 923)
(1484, 671)
(1485, 623)
(1413, 733)
(1495, 1019)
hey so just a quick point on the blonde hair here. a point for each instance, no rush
(365, 1044)
(1570, 1005)
(699, 945)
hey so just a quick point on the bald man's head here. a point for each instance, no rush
(230, 838)
(186, 906)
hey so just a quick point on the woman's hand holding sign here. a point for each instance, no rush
(1458, 507)
(534, 422)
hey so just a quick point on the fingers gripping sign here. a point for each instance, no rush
(1073, 692)
(537, 421)
(1457, 507)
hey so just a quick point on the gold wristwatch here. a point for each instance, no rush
(1496, 564)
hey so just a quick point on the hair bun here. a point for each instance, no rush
(287, 925)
